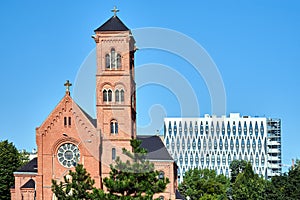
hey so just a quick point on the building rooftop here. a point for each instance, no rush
(31, 166)
(113, 24)
(155, 147)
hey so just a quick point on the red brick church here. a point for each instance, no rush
(69, 135)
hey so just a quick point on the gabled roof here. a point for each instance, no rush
(155, 147)
(31, 166)
(113, 24)
(75, 106)
(29, 184)
(92, 120)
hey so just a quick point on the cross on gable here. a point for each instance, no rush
(68, 85)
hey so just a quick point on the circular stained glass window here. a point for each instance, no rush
(68, 155)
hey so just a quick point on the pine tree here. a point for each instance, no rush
(9, 162)
(136, 178)
(77, 185)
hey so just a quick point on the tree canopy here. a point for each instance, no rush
(76, 185)
(136, 178)
(236, 167)
(248, 185)
(286, 186)
(244, 184)
(10, 161)
(203, 184)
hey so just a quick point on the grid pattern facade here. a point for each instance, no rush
(213, 142)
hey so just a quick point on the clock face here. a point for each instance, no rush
(68, 155)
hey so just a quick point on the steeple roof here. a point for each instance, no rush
(113, 24)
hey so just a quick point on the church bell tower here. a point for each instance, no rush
(115, 89)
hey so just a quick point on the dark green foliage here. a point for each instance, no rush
(286, 186)
(275, 189)
(134, 179)
(204, 184)
(292, 190)
(236, 167)
(9, 162)
(248, 185)
(77, 185)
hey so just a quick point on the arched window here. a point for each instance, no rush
(122, 95)
(109, 95)
(113, 58)
(107, 61)
(113, 153)
(161, 197)
(161, 175)
(105, 95)
(114, 127)
(119, 62)
(117, 96)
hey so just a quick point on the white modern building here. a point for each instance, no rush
(213, 142)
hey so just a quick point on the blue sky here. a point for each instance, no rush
(254, 44)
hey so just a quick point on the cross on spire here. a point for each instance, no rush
(68, 85)
(115, 10)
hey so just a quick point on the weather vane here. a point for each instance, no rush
(115, 10)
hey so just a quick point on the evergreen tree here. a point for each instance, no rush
(9, 162)
(77, 185)
(134, 179)
(204, 184)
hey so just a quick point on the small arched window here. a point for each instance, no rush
(119, 62)
(161, 175)
(114, 127)
(109, 95)
(122, 95)
(105, 95)
(161, 197)
(117, 96)
(113, 153)
(107, 61)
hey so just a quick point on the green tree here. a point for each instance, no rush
(204, 184)
(77, 185)
(285, 186)
(292, 188)
(9, 162)
(275, 189)
(236, 167)
(248, 185)
(136, 178)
